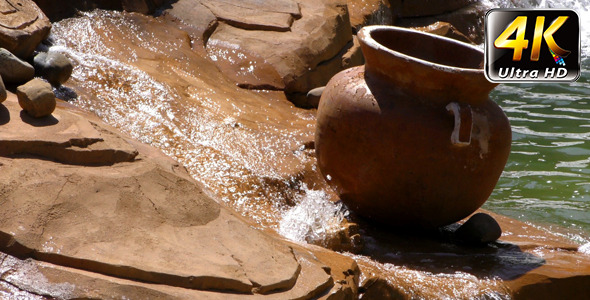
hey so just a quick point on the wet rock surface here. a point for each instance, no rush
(60, 237)
(36, 98)
(22, 26)
(54, 67)
(13, 69)
(252, 150)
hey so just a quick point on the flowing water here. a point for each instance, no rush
(547, 177)
(253, 149)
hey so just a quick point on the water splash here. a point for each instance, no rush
(313, 218)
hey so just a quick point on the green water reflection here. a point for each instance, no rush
(547, 177)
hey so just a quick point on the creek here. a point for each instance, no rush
(252, 150)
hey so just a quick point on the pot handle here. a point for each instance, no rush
(461, 135)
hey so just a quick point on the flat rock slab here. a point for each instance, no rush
(62, 137)
(141, 220)
(22, 26)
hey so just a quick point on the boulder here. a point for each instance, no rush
(291, 57)
(36, 98)
(13, 69)
(22, 26)
(3, 94)
(53, 66)
(68, 8)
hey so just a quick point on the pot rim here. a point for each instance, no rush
(365, 34)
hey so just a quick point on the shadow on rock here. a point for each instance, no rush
(4, 115)
(38, 122)
(438, 251)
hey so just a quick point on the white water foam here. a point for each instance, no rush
(585, 248)
(313, 218)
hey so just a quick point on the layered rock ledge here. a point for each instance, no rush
(81, 205)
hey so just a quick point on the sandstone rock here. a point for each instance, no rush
(36, 98)
(86, 230)
(480, 229)
(468, 20)
(370, 12)
(295, 61)
(195, 18)
(13, 69)
(256, 14)
(68, 140)
(68, 8)
(3, 94)
(141, 6)
(22, 26)
(445, 29)
(54, 67)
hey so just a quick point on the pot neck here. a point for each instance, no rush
(424, 65)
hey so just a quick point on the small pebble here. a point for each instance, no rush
(480, 229)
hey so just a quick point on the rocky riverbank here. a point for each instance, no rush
(88, 212)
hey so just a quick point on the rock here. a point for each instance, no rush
(82, 232)
(54, 67)
(468, 20)
(22, 26)
(445, 29)
(3, 94)
(480, 229)
(13, 69)
(295, 61)
(194, 17)
(36, 98)
(256, 15)
(141, 6)
(370, 12)
(525, 263)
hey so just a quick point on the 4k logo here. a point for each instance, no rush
(515, 53)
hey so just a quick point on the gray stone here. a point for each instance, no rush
(3, 94)
(13, 69)
(54, 67)
(481, 228)
(36, 98)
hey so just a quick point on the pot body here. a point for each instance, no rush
(408, 142)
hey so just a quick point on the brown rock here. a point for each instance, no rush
(370, 12)
(67, 140)
(194, 17)
(141, 6)
(468, 20)
(295, 61)
(68, 8)
(13, 69)
(255, 15)
(101, 219)
(22, 26)
(36, 98)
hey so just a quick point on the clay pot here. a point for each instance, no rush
(411, 138)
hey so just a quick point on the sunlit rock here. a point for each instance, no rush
(54, 67)
(36, 98)
(22, 26)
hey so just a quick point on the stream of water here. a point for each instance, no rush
(251, 148)
(547, 177)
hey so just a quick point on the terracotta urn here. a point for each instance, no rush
(412, 139)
